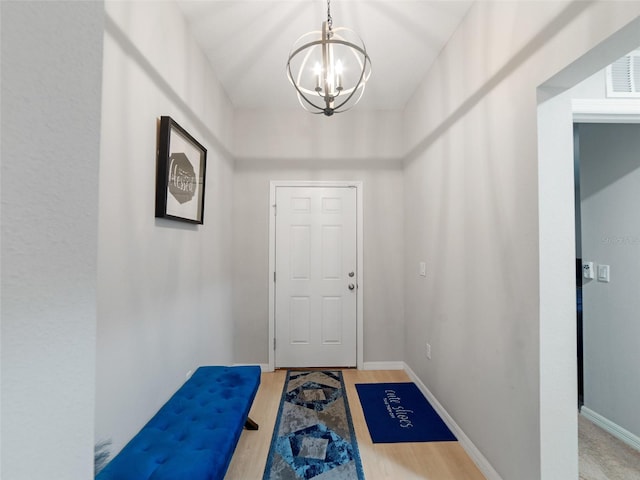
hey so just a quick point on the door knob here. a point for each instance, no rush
(351, 286)
(351, 274)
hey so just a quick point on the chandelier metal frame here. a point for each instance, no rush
(329, 95)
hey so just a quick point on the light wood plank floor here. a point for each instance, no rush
(431, 461)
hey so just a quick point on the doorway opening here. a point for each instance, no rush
(558, 366)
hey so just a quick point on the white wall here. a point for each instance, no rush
(299, 146)
(51, 75)
(164, 287)
(471, 212)
(609, 176)
(357, 135)
(383, 237)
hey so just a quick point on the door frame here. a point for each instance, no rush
(274, 184)
(556, 239)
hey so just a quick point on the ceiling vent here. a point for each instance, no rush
(623, 76)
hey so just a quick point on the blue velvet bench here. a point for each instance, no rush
(193, 436)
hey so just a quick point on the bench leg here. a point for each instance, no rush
(250, 424)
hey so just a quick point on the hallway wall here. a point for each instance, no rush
(472, 214)
(51, 76)
(383, 245)
(164, 287)
(294, 145)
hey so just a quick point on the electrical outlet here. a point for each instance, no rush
(429, 351)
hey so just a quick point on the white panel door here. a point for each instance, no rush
(316, 291)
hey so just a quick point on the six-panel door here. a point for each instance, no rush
(316, 291)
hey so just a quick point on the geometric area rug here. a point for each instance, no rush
(313, 437)
(399, 412)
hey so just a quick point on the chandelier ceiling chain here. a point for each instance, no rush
(329, 68)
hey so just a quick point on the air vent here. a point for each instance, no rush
(623, 76)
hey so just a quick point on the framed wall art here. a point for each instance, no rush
(180, 174)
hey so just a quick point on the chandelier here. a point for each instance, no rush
(329, 68)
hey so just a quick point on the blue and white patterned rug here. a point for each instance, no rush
(313, 436)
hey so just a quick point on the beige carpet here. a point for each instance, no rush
(604, 457)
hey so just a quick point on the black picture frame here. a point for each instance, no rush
(180, 174)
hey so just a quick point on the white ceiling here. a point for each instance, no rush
(248, 43)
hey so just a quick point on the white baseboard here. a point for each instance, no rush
(614, 429)
(481, 462)
(366, 366)
(383, 366)
(264, 367)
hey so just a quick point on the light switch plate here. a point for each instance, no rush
(423, 269)
(603, 273)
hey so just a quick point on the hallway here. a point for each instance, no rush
(604, 457)
(432, 460)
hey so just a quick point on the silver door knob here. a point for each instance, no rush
(351, 286)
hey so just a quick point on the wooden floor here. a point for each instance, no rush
(431, 460)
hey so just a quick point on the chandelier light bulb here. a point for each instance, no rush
(338, 75)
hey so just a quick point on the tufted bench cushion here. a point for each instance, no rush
(193, 436)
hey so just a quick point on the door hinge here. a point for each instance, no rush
(274, 277)
(275, 210)
(274, 343)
